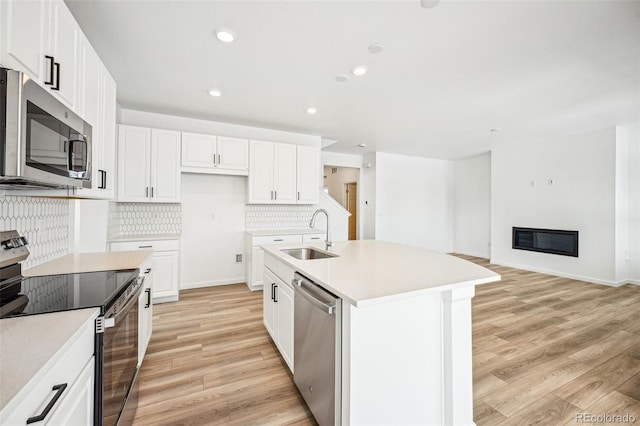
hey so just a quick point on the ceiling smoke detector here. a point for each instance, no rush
(375, 48)
(342, 78)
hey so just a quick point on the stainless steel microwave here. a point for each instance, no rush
(44, 143)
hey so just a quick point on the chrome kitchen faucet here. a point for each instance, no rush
(313, 223)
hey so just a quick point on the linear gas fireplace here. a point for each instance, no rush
(552, 241)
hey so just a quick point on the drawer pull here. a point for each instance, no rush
(56, 397)
(315, 238)
(145, 246)
(278, 239)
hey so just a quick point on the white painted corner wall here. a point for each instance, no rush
(472, 206)
(577, 182)
(414, 201)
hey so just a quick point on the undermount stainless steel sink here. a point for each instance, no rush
(307, 253)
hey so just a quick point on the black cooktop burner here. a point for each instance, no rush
(53, 293)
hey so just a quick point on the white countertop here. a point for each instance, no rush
(29, 343)
(267, 232)
(90, 262)
(369, 271)
(146, 237)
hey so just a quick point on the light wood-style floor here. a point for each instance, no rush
(545, 350)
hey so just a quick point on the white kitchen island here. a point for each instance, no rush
(406, 329)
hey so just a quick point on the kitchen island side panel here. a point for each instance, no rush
(394, 365)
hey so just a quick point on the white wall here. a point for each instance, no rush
(88, 225)
(472, 206)
(414, 201)
(582, 198)
(367, 197)
(212, 230)
(633, 162)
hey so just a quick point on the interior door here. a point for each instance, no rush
(352, 207)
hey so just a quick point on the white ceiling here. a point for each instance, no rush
(446, 76)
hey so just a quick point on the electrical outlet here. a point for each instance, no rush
(238, 258)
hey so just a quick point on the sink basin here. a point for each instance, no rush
(307, 253)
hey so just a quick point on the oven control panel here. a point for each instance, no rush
(13, 248)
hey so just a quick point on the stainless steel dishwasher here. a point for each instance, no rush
(317, 349)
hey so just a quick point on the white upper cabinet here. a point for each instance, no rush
(148, 165)
(260, 172)
(308, 174)
(23, 25)
(134, 163)
(284, 168)
(64, 37)
(165, 166)
(42, 39)
(281, 174)
(214, 154)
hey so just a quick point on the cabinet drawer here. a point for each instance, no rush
(279, 268)
(73, 358)
(156, 245)
(276, 239)
(313, 238)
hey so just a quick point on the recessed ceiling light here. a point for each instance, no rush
(311, 110)
(215, 92)
(375, 48)
(362, 145)
(359, 70)
(225, 35)
(342, 78)
(429, 4)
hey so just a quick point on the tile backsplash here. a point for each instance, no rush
(144, 219)
(44, 221)
(269, 216)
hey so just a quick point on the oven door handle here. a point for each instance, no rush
(113, 319)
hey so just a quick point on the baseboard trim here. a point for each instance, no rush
(467, 253)
(201, 284)
(609, 283)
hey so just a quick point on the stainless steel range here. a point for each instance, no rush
(115, 293)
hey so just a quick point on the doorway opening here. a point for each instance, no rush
(341, 183)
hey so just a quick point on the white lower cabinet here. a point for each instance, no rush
(166, 261)
(77, 407)
(145, 309)
(63, 390)
(278, 313)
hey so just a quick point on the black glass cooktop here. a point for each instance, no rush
(53, 293)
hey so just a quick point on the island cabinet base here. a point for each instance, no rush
(409, 361)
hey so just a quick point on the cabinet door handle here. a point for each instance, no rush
(152, 192)
(271, 196)
(57, 68)
(51, 60)
(298, 195)
(148, 291)
(219, 159)
(214, 159)
(103, 179)
(275, 293)
(59, 389)
(146, 192)
(275, 195)
(272, 291)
